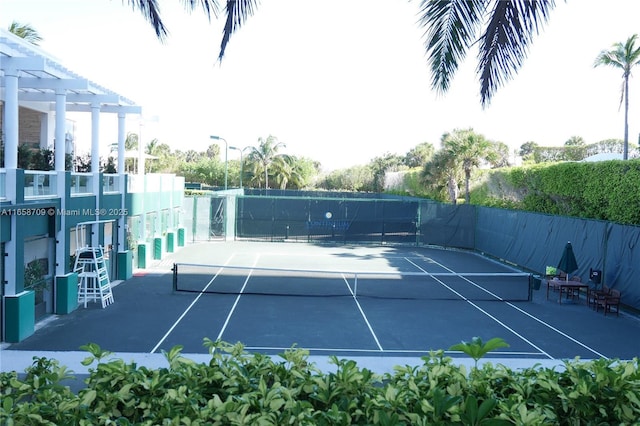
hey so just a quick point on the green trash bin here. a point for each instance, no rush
(142, 255)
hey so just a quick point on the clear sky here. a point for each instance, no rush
(338, 81)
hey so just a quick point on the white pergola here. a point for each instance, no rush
(30, 76)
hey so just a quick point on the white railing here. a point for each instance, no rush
(110, 183)
(178, 182)
(81, 183)
(167, 182)
(153, 182)
(135, 184)
(39, 184)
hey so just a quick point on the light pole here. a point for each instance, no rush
(241, 162)
(226, 163)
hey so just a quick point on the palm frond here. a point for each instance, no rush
(150, 10)
(210, 7)
(237, 13)
(632, 52)
(452, 26)
(25, 31)
(623, 56)
(504, 45)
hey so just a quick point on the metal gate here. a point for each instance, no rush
(204, 218)
(216, 221)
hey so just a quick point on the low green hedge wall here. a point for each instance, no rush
(606, 190)
(237, 388)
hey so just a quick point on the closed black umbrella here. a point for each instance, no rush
(568, 262)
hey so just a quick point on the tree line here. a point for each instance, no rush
(444, 173)
(502, 30)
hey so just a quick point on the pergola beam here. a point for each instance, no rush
(127, 109)
(52, 83)
(85, 98)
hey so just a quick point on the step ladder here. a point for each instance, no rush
(93, 277)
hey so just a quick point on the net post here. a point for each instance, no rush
(175, 277)
(530, 298)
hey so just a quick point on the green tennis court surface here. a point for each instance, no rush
(271, 296)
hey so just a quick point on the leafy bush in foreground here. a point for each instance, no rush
(239, 388)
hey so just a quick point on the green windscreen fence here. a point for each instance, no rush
(327, 219)
(529, 240)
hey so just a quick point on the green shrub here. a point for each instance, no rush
(605, 190)
(235, 387)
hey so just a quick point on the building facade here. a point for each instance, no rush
(48, 211)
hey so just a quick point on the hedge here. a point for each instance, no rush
(606, 190)
(236, 388)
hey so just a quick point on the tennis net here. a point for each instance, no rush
(234, 280)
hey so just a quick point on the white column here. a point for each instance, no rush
(11, 122)
(95, 138)
(95, 168)
(60, 150)
(61, 127)
(62, 247)
(121, 140)
(140, 149)
(10, 131)
(122, 221)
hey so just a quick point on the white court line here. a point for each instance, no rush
(175, 324)
(557, 331)
(355, 299)
(376, 351)
(235, 303)
(482, 310)
(563, 334)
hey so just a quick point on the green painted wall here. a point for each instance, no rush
(125, 264)
(66, 293)
(19, 316)
(5, 228)
(111, 204)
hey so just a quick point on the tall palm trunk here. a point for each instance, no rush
(452, 186)
(625, 152)
(467, 179)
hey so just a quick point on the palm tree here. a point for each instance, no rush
(419, 155)
(25, 31)
(468, 149)
(527, 150)
(150, 10)
(264, 154)
(131, 141)
(381, 165)
(452, 27)
(575, 148)
(442, 175)
(623, 56)
(286, 170)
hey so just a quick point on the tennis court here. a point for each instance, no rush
(271, 296)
